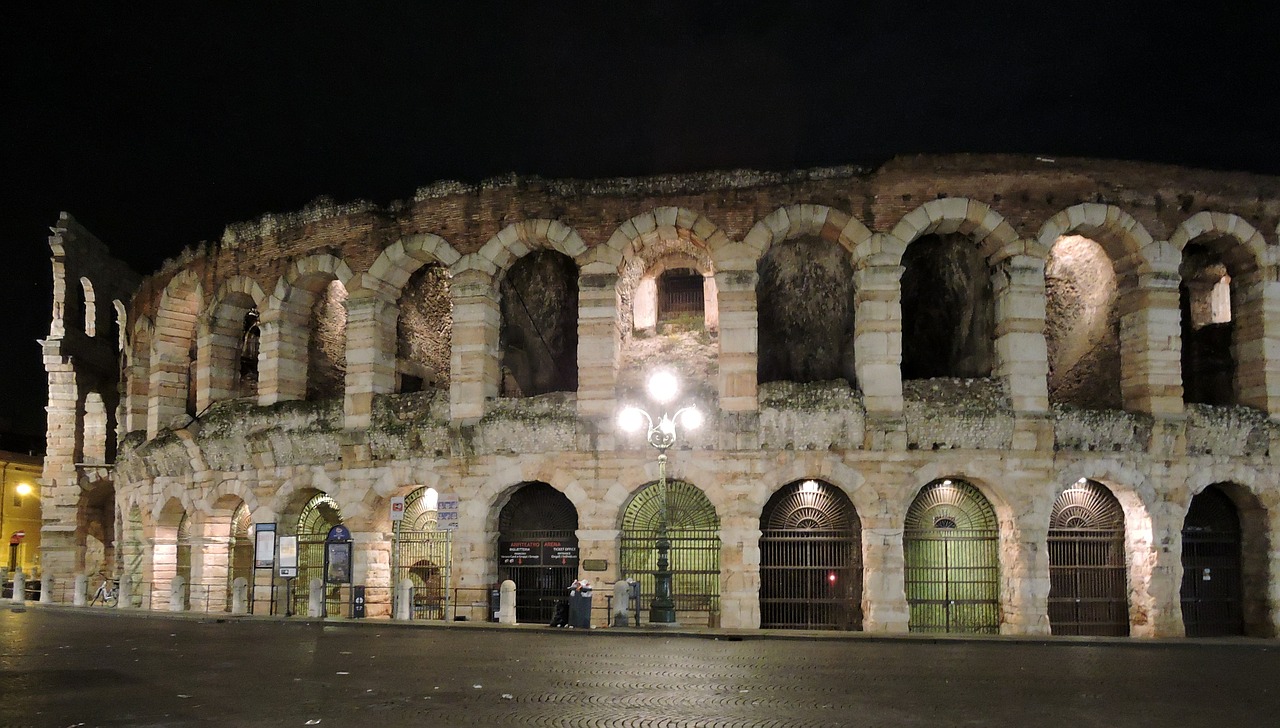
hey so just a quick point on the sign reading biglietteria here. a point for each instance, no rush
(447, 512)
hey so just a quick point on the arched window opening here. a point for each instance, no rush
(804, 299)
(182, 560)
(693, 528)
(90, 307)
(318, 516)
(1082, 325)
(948, 310)
(96, 529)
(538, 549)
(327, 344)
(250, 340)
(810, 559)
(1088, 577)
(424, 330)
(539, 333)
(1208, 332)
(1212, 585)
(680, 297)
(241, 549)
(950, 542)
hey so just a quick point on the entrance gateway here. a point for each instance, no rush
(538, 549)
(950, 544)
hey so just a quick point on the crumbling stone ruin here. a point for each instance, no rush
(982, 393)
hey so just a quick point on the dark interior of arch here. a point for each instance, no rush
(424, 330)
(1208, 364)
(805, 300)
(539, 334)
(250, 340)
(948, 309)
(538, 506)
(1082, 325)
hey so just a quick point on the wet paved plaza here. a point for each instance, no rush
(63, 667)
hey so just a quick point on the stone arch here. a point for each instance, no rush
(805, 294)
(517, 240)
(995, 237)
(90, 301)
(538, 307)
(305, 321)
(398, 261)
(229, 346)
(693, 530)
(171, 390)
(1094, 273)
(1223, 278)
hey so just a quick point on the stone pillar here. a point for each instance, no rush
(240, 596)
(1151, 344)
(371, 566)
(371, 354)
(219, 337)
(164, 565)
(1165, 584)
(599, 544)
(877, 338)
(738, 340)
(598, 345)
(1022, 358)
(507, 603)
(473, 366)
(884, 592)
(170, 375)
(739, 572)
(1024, 577)
(210, 568)
(282, 372)
(60, 483)
(1255, 309)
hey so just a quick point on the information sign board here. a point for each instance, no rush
(264, 545)
(520, 553)
(447, 512)
(397, 508)
(288, 556)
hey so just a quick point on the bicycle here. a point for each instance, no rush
(108, 591)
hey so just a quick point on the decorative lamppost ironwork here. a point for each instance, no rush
(663, 387)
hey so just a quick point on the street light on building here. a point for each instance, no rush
(663, 387)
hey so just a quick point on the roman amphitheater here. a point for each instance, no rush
(990, 394)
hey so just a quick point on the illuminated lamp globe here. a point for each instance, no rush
(630, 419)
(691, 419)
(23, 489)
(663, 386)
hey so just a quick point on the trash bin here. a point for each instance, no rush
(580, 609)
(495, 601)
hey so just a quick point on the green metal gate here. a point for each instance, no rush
(810, 559)
(538, 549)
(694, 532)
(318, 516)
(1088, 584)
(1212, 589)
(241, 551)
(950, 544)
(422, 554)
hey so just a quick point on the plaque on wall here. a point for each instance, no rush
(595, 564)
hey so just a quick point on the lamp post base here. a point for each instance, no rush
(663, 608)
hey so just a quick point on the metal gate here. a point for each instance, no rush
(810, 559)
(422, 554)
(950, 543)
(693, 528)
(1088, 584)
(318, 516)
(1211, 579)
(182, 561)
(538, 549)
(241, 551)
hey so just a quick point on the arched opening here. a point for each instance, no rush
(90, 307)
(810, 559)
(422, 555)
(951, 545)
(948, 309)
(680, 296)
(327, 344)
(424, 330)
(804, 299)
(1082, 325)
(1212, 581)
(320, 514)
(539, 333)
(250, 340)
(241, 549)
(538, 549)
(1088, 585)
(95, 529)
(693, 528)
(1208, 330)
(182, 559)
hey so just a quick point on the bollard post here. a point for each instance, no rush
(240, 596)
(78, 596)
(177, 588)
(19, 587)
(124, 592)
(404, 597)
(315, 599)
(46, 589)
(621, 603)
(507, 603)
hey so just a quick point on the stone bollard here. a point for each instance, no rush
(46, 589)
(621, 603)
(78, 596)
(240, 596)
(124, 592)
(177, 592)
(19, 587)
(404, 597)
(315, 599)
(507, 603)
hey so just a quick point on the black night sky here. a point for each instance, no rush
(155, 127)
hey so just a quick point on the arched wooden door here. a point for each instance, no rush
(950, 542)
(1212, 589)
(538, 549)
(810, 559)
(1088, 584)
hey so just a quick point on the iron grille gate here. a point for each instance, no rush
(952, 580)
(1088, 592)
(424, 558)
(694, 532)
(540, 584)
(318, 516)
(1212, 590)
(810, 579)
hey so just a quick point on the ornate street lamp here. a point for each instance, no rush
(663, 387)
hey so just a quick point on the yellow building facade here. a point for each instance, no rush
(20, 512)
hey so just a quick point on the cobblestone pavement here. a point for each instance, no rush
(62, 667)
